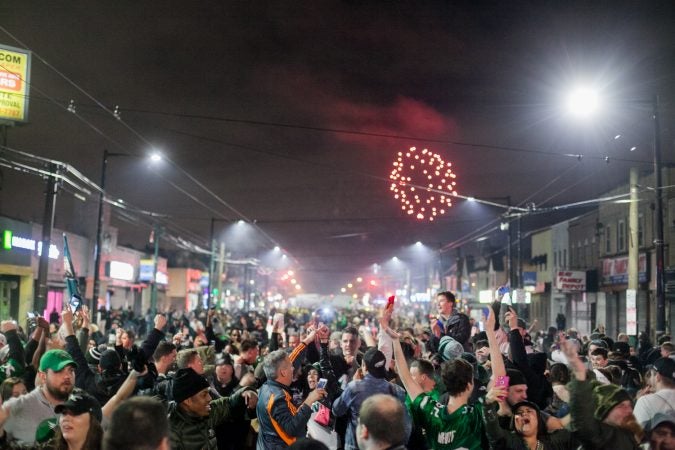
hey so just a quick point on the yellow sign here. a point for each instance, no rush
(14, 83)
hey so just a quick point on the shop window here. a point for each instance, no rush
(54, 303)
(621, 236)
(608, 240)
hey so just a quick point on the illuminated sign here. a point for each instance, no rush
(120, 271)
(147, 269)
(14, 83)
(162, 278)
(9, 242)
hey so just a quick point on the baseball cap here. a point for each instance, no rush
(57, 360)
(661, 418)
(375, 362)
(79, 402)
(665, 367)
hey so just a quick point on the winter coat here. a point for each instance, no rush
(591, 432)
(188, 432)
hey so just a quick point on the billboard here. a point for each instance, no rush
(14, 83)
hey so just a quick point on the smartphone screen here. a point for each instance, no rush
(74, 304)
(322, 383)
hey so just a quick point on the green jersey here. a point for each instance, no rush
(463, 429)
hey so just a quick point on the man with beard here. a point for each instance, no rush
(612, 423)
(57, 380)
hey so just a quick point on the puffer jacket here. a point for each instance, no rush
(589, 431)
(189, 432)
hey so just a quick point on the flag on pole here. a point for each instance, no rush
(69, 272)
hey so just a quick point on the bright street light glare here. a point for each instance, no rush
(418, 243)
(155, 157)
(582, 102)
(276, 248)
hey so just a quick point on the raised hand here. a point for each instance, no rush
(160, 321)
(323, 332)
(491, 319)
(315, 396)
(497, 394)
(67, 316)
(311, 335)
(512, 318)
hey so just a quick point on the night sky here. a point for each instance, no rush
(292, 112)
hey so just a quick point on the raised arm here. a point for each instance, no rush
(496, 359)
(410, 385)
(122, 393)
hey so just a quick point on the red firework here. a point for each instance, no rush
(423, 183)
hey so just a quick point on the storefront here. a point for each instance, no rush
(186, 289)
(614, 282)
(16, 273)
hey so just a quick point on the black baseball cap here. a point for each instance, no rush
(79, 402)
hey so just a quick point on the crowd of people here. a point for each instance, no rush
(307, 380)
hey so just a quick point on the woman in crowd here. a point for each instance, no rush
(79, 426)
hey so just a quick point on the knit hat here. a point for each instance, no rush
(109, 360)
(187, 383)
(94, 354)
(449, 349)
(57, 360)
(79, 402)
(516, 377)
(607, 397)
(316, 366)
(375, 362)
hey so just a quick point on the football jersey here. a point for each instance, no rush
(463, 429)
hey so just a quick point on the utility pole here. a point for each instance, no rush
(153, 292)
(633, 255)
(47, 227)
(659, 239)
(221, 268)
(99, 232)
(211, 262)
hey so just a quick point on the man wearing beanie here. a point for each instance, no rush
(357, 391)
(610, 424)
(193, 415)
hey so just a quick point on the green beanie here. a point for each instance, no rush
(607, 396)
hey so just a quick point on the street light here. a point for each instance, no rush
(99, 230)
(583, 102)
